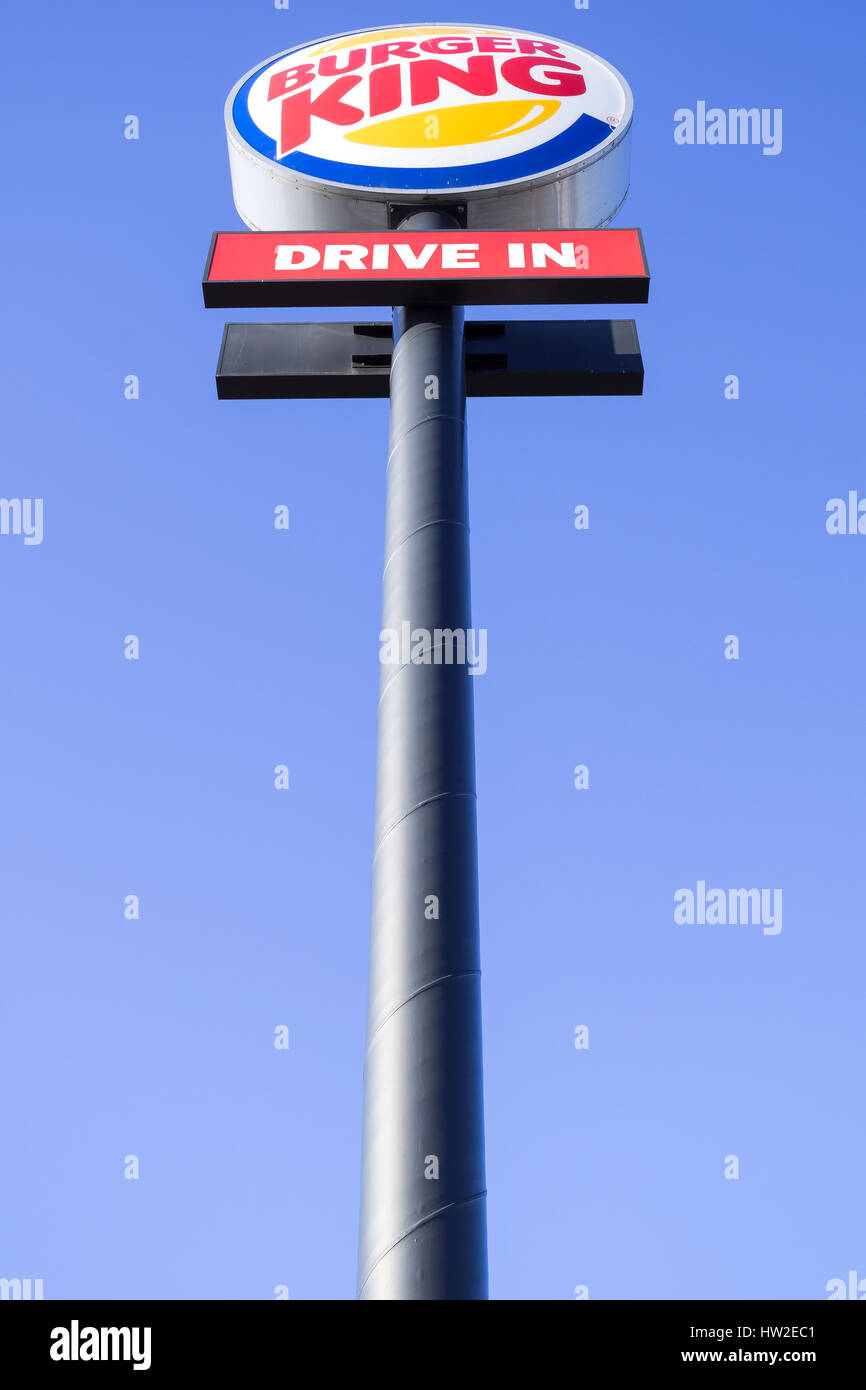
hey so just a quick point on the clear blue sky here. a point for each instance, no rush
(155, 1037)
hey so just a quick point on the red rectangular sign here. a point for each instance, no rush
(270, 269)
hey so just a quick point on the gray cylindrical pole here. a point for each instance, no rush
(423, 1204)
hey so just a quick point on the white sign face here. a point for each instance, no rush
(423, 112)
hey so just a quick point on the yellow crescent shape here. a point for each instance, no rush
(455, 125)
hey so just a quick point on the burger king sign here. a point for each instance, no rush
(523, 129)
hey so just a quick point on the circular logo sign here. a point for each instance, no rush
(429, 109)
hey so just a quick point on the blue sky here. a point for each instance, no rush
(155, 777)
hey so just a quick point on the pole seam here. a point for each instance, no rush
(407, 665)
(419, 805)
(438, 521)
(426, 420)
(431, 984)
(425, 1220)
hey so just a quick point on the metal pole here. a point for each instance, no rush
(423, 1201)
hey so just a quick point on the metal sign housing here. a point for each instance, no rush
(319, 361)
(527, 130)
